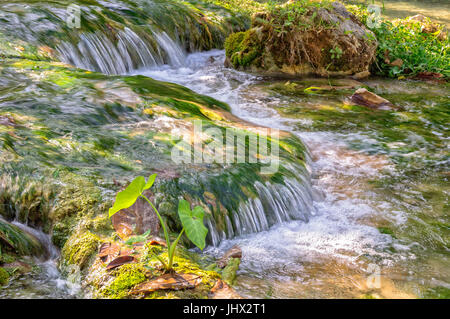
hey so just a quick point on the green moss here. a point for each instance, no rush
(126, 277)
(243, 48)
(4, 277)
(79, 249)
(229, 272)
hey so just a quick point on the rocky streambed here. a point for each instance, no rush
(358, 190)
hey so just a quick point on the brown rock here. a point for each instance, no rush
(365, 98)
(233, 252)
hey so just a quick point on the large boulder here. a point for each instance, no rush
(302, 38)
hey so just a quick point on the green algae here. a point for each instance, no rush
(197, 25)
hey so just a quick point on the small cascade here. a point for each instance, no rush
(47, 280)
(274, 204)
(126, 53)
(173, 51)
(43, 238)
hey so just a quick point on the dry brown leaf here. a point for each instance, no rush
(108, 251)
(136, 220)
(169, 281)
(119, 261)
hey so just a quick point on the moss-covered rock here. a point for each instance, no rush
(229, 272)
(125, 278)
(142, 27)
(303, 37)
(119, 283)
(79, 249)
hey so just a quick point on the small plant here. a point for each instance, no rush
(192, 220)
(336, 53)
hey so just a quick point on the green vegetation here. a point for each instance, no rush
(408, 47)
(16, 241)
(192, 221)
(4, 277)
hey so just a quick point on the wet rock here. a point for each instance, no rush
(361, 75)
(233, 252)
(365, 98)
(334, 43)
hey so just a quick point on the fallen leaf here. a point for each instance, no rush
(429, 76)
(169, 281)
(136, 220)
(119, 261)
(108, 251)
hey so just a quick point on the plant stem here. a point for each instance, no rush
(163, 225)
(172, 249)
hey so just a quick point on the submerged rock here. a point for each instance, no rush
(233, 252)
(302, 38)
(365, 98)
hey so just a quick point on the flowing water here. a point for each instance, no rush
(43, 280)
(363, 195)
(377, 203)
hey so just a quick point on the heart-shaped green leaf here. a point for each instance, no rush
(193, 223)
(150, 181)
(128, 196)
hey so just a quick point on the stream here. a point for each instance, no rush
(333, 255)
(379, 225)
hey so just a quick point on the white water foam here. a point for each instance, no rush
(336, 231)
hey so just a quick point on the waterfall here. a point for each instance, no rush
(274, 204)
(127, 52)
(44, 239)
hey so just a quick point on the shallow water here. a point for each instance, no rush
(44, 280)
(377, 215)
